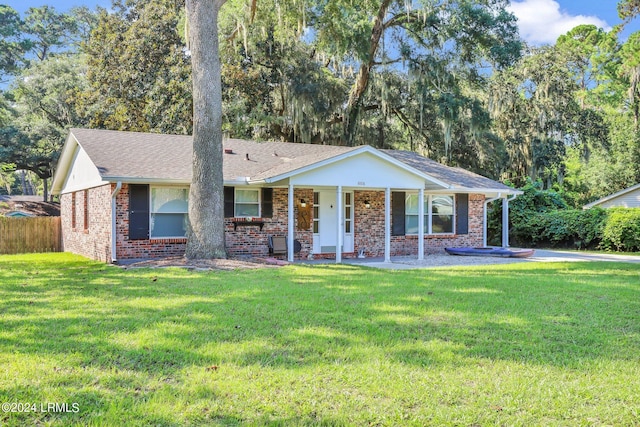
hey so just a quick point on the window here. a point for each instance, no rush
(442, 214)
(316, 212)
(73, 210)
(86, 210)
(411, 214)
(169, 210)
(247, 203)
(348, 205)
(437, 208)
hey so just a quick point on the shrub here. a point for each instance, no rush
(622, 230)
(571, 228)
(540, 218)
(524, 213)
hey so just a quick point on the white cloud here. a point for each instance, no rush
(542, 21)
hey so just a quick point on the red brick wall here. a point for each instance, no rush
(95, 241)
(246, 240)
(249, 240)
(143, 248)
(369, 228)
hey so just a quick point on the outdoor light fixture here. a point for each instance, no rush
(367, 204)
(303, 203)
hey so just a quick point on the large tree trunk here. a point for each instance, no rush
(206, 195)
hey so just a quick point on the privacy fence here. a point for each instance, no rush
(25, 235)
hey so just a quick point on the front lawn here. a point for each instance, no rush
(518, 344)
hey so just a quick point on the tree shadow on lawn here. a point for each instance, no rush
(482, 313)
(159, 323)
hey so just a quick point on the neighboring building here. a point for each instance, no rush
(627, 198)
(125, 195)
(27, 206)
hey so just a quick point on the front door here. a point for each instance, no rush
(325, 221)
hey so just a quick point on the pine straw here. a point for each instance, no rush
(208, 264)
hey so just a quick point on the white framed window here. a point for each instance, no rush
(247, 203)
(169, 212)
(442, 214)
(439, 214)
(316, 212)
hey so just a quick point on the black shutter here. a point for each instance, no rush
(397, 213)
(229, 202)
(267, 202)
(462, 214)
(138, 211)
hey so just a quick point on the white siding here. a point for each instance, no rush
(82, 174)
(628, 200)
(363, 170)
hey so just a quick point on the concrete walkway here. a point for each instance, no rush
(444, 260)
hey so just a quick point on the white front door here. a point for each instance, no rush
(325, 221)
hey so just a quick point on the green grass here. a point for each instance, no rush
(519, 344)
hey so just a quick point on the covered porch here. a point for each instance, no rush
(358, 204)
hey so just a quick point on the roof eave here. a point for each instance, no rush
(357, 151)
(611, 197)
(64, 163)
(477, 190)
(146, 180)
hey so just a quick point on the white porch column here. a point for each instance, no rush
(340, 215)
(387, 225)
(290, 225)
(505, 222)
(421, 224)
(484, 224)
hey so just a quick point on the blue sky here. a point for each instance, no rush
(540, 21)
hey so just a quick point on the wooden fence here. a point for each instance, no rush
(25, 235)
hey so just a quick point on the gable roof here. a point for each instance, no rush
(147, 157)
(612, 196)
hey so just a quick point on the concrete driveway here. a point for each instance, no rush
(444, 260)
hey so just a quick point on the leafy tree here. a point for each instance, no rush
(45, 108)
(628, 10)
(378, 72)
(48, 30)
(533, 105)
(138, 70)
(13, 44)
(630, 70)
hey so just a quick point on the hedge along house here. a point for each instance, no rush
(124, 195)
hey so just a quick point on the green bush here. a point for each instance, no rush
(622, 230)
(540, 218)
(570, 228)
(524, 212)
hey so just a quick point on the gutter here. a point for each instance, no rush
(114, 236)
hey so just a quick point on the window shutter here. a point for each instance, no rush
(462, 214)
(138, 211)
(267, 202)
(229, 202)
(397, 213)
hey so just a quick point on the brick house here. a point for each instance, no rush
(124, 195)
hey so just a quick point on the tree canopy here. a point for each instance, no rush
(448, 79)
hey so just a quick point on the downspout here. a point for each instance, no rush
(114, 236)
(484, 219)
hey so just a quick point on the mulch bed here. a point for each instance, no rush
(208, 264)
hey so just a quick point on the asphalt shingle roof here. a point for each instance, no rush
(119, 154)
(158, 156)
(455, 176)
